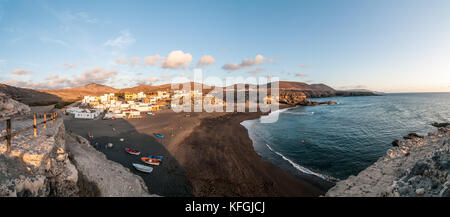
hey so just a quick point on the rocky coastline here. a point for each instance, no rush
(417, 166)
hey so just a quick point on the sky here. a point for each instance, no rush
(383, 45)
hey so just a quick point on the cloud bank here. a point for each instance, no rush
(257, 60)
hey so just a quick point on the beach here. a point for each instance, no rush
(204, 154)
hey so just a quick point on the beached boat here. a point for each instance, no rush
(150, 161)
(91, 135)
(159, 135)
(150, 113)
(132, 151)
(143, 168)
(156, 157)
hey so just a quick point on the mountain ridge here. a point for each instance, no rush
(41, 96)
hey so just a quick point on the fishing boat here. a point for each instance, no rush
(150, 161)
(159, 135)
(143, 168)
(132, 151)
(156, 157)
(91, 135)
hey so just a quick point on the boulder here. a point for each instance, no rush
(9, 107)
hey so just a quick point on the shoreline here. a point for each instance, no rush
(268, 154)
(206, 154)
(247, 174)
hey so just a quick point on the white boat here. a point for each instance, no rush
(143, 168)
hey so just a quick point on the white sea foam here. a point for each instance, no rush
(296, 166)
(248, 124)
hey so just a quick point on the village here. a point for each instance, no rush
(127, 105)
(119, 105)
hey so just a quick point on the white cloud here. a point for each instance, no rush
(123, 41)
(152, 60)
(256, 71)
(21, 72)
(122, 61)
(134, 60)
(177, 59)
(77, 17)
(53, 81)
(70, 66)
(131, 61)
(257, 60)
(95, 75)
(54, 41)
(206, 60)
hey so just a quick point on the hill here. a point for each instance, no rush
(29, 96)
(46, 97)
(77, 93)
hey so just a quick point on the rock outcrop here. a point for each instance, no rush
(417, 166)
(9, 107)
(38, 166)
(294, 98)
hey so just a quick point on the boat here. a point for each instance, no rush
(150, 161)
(91, 135)
(159, 135)
(143, 168)
(150, 113)
(156, 157)
(132, 151)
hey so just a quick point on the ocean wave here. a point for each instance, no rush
(299, 113)
(298, 167)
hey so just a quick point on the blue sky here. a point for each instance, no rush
(391, 46)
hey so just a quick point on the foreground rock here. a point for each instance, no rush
(9, 107)
(40, 167)
(415, 167)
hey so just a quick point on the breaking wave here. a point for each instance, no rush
(300, 168)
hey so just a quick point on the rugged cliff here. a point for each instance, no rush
(298, 98)
(416, 166)
(9, 107)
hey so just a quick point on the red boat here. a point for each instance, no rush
(132, 151)
(91, 135)
(150, 161)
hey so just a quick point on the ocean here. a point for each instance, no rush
(336, 141)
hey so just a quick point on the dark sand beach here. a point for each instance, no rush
(205, 154)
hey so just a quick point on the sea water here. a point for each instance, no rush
(336, 141)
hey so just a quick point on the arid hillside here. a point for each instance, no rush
(46, 97)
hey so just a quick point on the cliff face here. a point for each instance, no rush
(298, 98)
(292, 98)
(416, 166)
